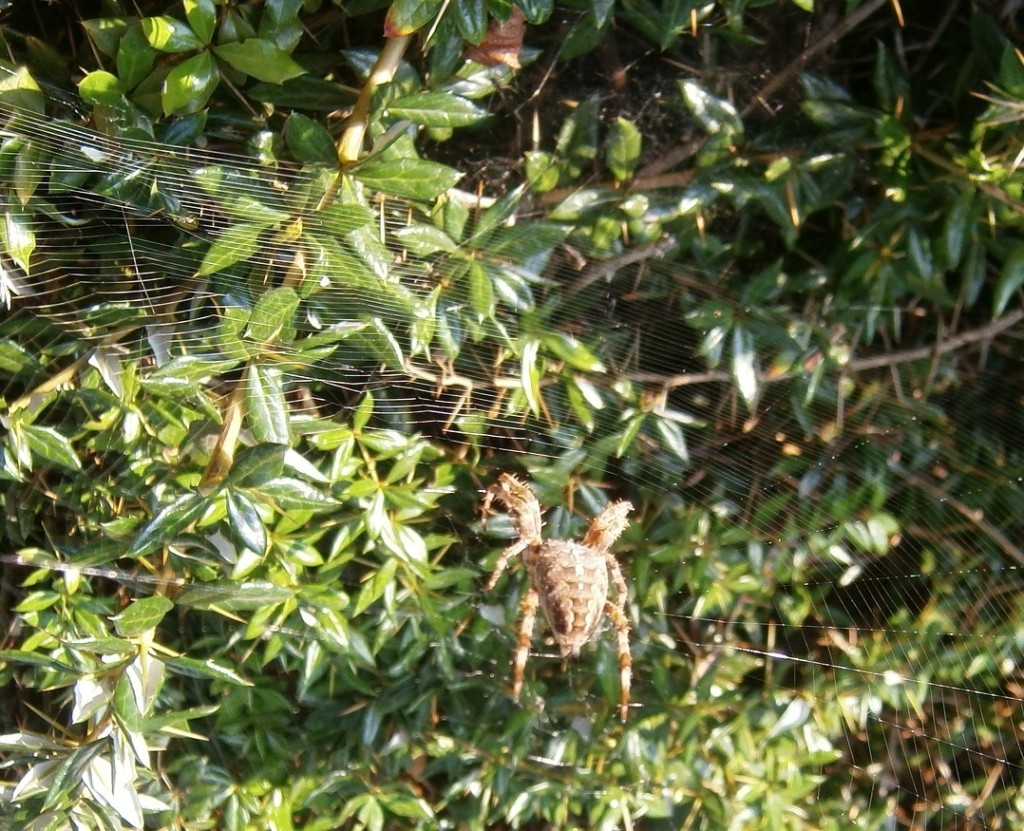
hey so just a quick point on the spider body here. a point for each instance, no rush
(569, 580)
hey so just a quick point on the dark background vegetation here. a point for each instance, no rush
(755, 266)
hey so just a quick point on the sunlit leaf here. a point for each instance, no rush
(51, 446)
(238, 242)
(744, 364)
(413, 178)
(202, 17)
(437, 109)
(261, 59)
(529, 375)
(573, 352)
(142, 615)
(256, 465)
(717, 116)
(289, 494)
(190, 84)
(135, 58)
(209, 669)
(19, 240)
(245, 523)
(170, 521)
(623, 152)
(168, 34)
(273, 318)
(232, 595)
(406, 16)
(266, 405)
(100, 87)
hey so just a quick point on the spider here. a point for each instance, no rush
(568, 579)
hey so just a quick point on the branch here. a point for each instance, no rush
(844, 27)
(920, 353)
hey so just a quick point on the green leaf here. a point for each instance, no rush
(308, 140)
(189, 85)
(273, 319)
(406, 16)
(135, 58)
(289, 494)
(481, 290)
(29, 169)
(437, 109)
(744, 364)
(623, 152)
(266, 405)
(261, 59)
(412, 178)
(191, 369)
(202, 17)
(629, 433)
(537, 11)
(1011, 279)
(32, 659)
(578, 137)
(142, 615)
(19, 240)
(471, 19)
(257, 465)
(229, 337)
(957, 229)
(542, 170)
(380, 341)
(246, 526)
(1011, 70)
(529, 375)
(673, 437)
(424, 240)
(100, 87)
(48, 444)
(375, 587)
(234, 596)
(305, 92)
(170, 521)
(19, 91)
(573, 352)
(238, 242)
(717, 116)
(106, 33)
(169, 34)
(208, 669)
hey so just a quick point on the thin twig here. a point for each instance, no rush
(974, 515)
(606, 268)
(982, 333)
(843, 28)
(795, 66)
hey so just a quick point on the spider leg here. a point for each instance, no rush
(529, 609)
(522, 505)
(615, 572)
(502, 564)
(621, 624)
(606, 527)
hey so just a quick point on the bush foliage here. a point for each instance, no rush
(288, 283)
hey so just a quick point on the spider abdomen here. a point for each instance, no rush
(572, 584)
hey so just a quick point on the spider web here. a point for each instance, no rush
(861, 587)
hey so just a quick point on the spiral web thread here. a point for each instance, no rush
(131, 300)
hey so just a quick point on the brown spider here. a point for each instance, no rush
(568, 579)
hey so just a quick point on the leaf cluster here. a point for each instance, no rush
(251, 394)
